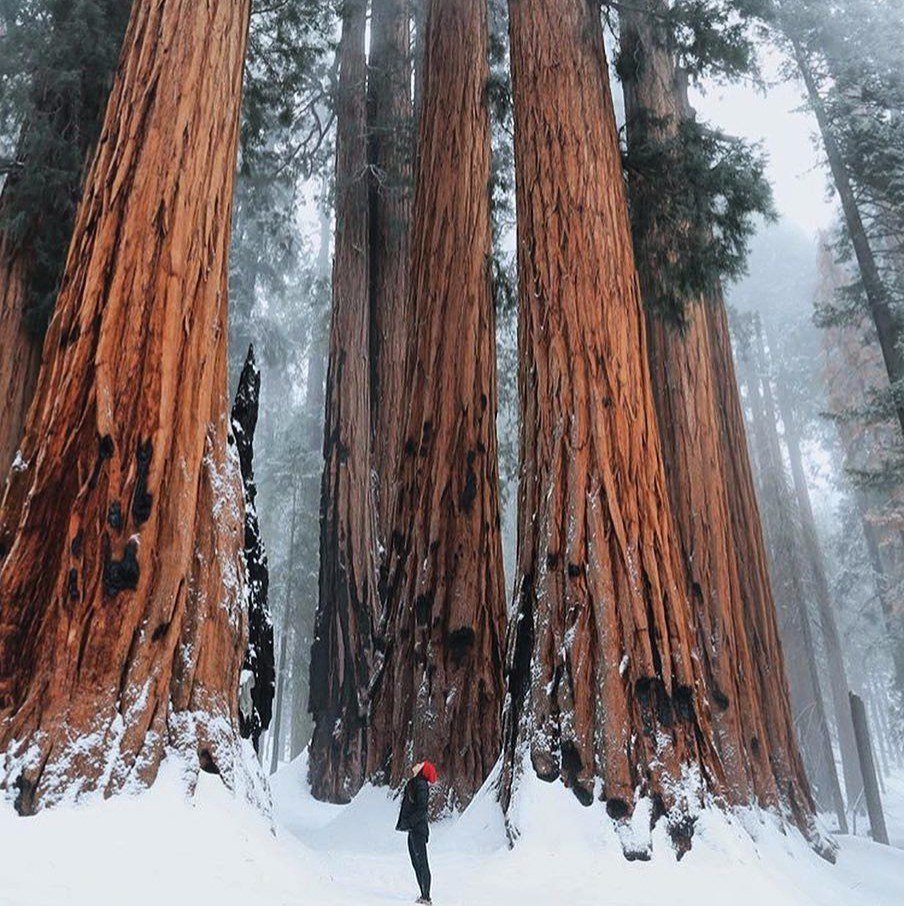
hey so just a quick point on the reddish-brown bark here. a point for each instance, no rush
(123, 630)
(742, 664)
(390, 123)
(603, 677)
(780, 745)
(440, 692)
(341, 655)
(683, 380)
(20, 354)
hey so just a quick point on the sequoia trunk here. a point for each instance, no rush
(603, 677)
(20, 353)
(121, 581)
(687, 393)
(440, 693)
(759, 608)
(341, 655)
(390, 127)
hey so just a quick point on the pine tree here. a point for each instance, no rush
(854, 88)
(59, 57)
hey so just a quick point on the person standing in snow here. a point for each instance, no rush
(413, 819)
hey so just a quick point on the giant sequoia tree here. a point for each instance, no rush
(348, 608)
(390, 158)
(749, 549)
(440, 692)
(603, 679)
(121, 582)
(673, 226)
(69, 51)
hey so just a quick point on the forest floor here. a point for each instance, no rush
(160, 848)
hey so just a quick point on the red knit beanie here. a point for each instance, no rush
(429, 772)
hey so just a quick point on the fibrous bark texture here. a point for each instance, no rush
(780, 745)
(341, 655)
(20, 354)
(121, 581)
(390, 122)
(440, 691)
(53, 147)
(603, 678)
(781, 526)
(259, 669)
(742, 664)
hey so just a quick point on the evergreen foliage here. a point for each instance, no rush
(56, 63)
(852, 54)
(703, 189)
(286, 138)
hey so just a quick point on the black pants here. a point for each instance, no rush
(417, 849)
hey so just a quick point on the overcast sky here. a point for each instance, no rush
(776, 118)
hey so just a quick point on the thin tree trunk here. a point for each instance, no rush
(749, 547)
(878, 737)
(310, 490)
(390, 129)
(276, 731)
(838, 682)
(868, 769)
(129, 502)
(348, 608)
(440, 693)
(894, 621)
(603, 677)
(282, 665)
(888, 324)
(880, 725)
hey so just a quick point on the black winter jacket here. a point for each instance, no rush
(413, 813)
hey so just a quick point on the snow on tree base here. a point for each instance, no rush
(161, 846)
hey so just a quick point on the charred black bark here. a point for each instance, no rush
(259, 668)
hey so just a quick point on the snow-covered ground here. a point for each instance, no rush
(160, 848)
